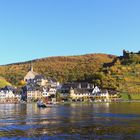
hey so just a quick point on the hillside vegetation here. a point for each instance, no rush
(3, 82)
(69, 68)
(126, 73)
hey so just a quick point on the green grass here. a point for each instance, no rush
(125, 96)
(135, 96)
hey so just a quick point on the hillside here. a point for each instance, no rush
(3, 82)
(127, 77)
(68, 68)
(125, 74)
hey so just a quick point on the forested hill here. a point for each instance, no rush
(124, 73)
(65, 68)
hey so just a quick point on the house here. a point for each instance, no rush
(64, 93)
(65, 88)
(33, 95)
(52, 91)
(76, 90)
(31, 92)
(49, 92)
(17, 97)
(8, 94)
(2, 96)
(100, 95)
(80, 85)
(40, 80)
(45, 93)
(96, 90)
(80, 93)
(17, 93)
(105, 95)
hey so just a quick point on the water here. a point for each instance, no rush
(100, 121)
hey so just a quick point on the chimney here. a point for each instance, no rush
(88, 86)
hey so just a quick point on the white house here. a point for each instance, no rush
(49, 92)
(2, 96)
(45, 93)
(96, 90)
(7, 94)
(52, 91)
(102, 95)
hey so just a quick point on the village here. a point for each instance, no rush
(40, 87)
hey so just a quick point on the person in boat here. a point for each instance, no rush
(40, 103)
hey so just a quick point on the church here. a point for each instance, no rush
(30, 75)
(35, 78)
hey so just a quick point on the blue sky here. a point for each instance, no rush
(32, 29)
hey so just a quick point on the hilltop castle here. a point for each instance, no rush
(127, 54)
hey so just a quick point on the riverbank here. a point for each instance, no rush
(130, 96)
(70, 102)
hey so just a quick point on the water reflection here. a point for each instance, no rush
(72, 121)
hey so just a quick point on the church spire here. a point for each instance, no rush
(31, 67)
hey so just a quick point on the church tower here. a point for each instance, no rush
(31, 74)
(31, 67)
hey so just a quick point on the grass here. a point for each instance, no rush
(135, 96)
(127, 96)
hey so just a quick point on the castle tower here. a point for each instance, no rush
(124, 52)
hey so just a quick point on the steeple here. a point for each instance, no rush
(31, 67)
(31, 74)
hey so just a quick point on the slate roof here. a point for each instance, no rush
(82, 85)
(8, 88)
(82, 91)
(39, 77)
(32, 87)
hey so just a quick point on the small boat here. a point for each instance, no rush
(41, 104)
(23, 102)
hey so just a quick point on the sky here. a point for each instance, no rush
(31, 29)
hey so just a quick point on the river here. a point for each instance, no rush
(120, 121)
